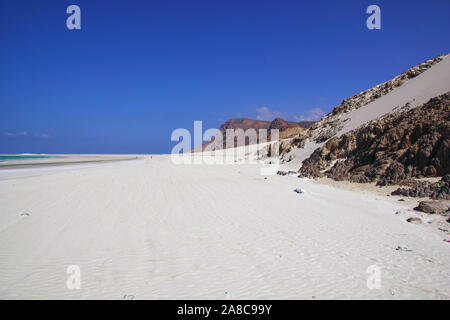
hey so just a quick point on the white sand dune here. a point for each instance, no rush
(152, 229)
(417, 91)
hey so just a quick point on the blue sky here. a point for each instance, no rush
(137, 70)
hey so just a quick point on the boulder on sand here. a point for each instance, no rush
(431, 207)
(414, 220)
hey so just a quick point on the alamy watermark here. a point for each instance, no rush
(374, 20)
(74, 20)
(374, 279)
(232, 146)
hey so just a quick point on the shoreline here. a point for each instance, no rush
(63, 160)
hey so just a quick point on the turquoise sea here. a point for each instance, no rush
(19, 157)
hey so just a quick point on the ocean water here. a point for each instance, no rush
(19, 157)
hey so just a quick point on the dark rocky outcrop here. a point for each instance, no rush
(437, 207)
(438, 190)
(285, 173)
(396, 149)
(330, 124)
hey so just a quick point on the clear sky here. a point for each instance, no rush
(137, 70)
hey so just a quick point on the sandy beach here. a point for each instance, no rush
(150, 229)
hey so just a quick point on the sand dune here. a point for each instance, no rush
(417, 91)
(152, 229)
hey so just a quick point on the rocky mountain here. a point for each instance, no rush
(244, 123)
(277, 123)
(286, 128)
(406, 144)
(333, 123)
(397, 132)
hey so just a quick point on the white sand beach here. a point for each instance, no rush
(150, 229)
(226, 151)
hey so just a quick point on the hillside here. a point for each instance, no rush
(409, 143)
(286, 129)
(411, 89)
